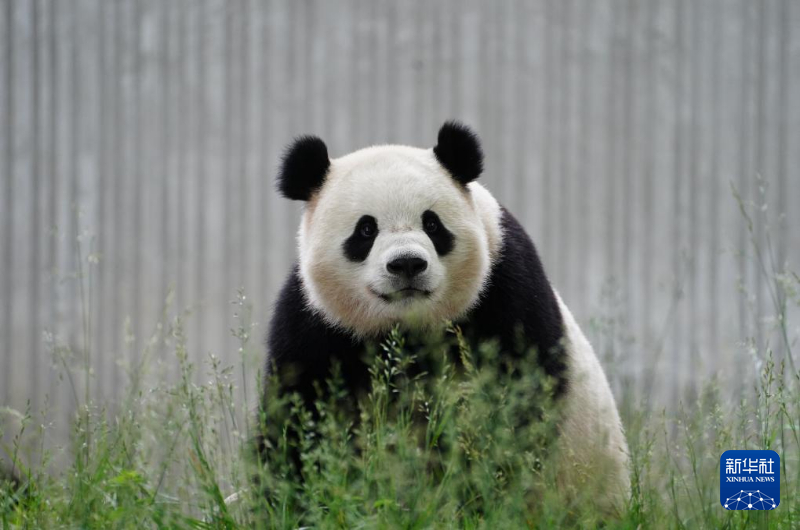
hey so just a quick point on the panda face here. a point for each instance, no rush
(391, 237)
(393, 234)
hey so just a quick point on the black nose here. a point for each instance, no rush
(408, 267)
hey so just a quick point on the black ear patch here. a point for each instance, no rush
(459, 150)
(305, 164)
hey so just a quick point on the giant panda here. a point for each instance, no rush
(394, 234)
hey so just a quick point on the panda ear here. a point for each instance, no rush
(459, 150)
(303, 169)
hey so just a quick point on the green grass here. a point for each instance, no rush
(441, 450)
(444, 450)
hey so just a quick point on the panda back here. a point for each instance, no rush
(518, 298)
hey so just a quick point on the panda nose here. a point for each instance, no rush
(408, 267)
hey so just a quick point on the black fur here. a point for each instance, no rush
(519, 306)
(358, 245)
(443, 240)
(305, 164)
(459, 151)
(303, 347)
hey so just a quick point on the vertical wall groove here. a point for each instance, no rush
(8, 195)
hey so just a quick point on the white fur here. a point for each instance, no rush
(593, 455)
(395, 184)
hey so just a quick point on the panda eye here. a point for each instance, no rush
(430, 225)
(368, 229)
(430, 222)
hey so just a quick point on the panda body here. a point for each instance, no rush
(396, 234)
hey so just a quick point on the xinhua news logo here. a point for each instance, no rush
(750, 480)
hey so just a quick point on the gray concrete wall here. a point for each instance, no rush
(144, 136)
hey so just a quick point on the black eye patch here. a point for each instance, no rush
(441, 237)
(357, 246)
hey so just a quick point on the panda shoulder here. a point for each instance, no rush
(296, 330)
(491, 215)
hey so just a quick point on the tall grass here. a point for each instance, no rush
(435, 448)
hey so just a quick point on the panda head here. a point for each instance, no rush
(393, 234)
